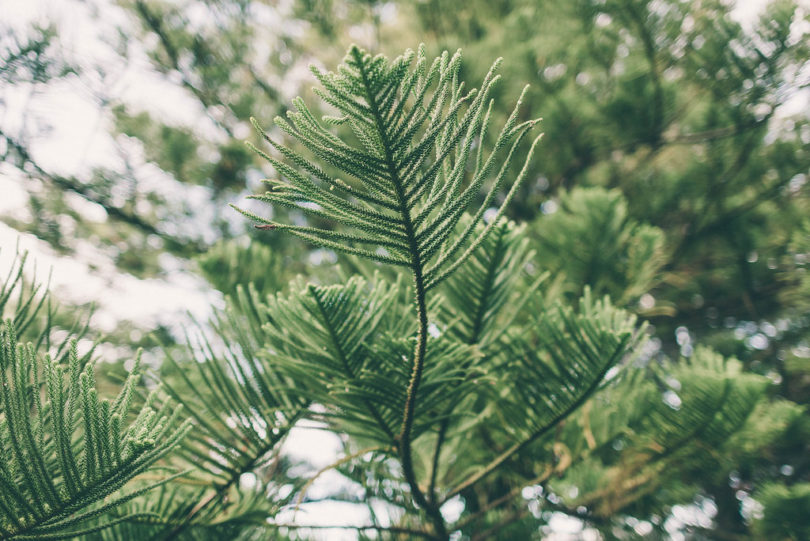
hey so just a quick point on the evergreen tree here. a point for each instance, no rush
(670, 178)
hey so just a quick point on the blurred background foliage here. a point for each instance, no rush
(672, 177)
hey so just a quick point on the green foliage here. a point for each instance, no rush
(30, 58)
(487, 294)
(558, 360)
(397, 202)
(242, 408)
(66, 450)
(785, 510)
(592, 242)
(350, 348)
(671, 147)
(229, 264)
(22, 302)
(661, 436)
(35, 315)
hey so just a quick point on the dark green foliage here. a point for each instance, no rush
(35, 315)
(242, 408)
(356, 350)
(786, 511)
(350, 348)
(66, 450)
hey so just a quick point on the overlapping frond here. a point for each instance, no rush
(661, 435)
(406, 168)
(484, 297)
(20, 301)
(560, 362)
(239, 403)
(66, 452)
(349, 347)
(157, 515)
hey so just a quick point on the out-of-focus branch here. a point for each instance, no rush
(24, 161)
(154, 23)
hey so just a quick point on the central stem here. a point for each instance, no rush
(405, 452)
(404, 438)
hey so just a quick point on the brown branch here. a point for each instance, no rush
(382, 529)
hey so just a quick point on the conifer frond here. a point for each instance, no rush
(64, 449)
(664, 434)
(352, 346)
(229, 264)
(158, 514)
(30, 298)
(239, 403)
(484, 297)
(407, 172)
(559, 361)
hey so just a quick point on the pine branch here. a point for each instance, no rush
(239, 405)
(551, 379)
(401, 116)
(49, 484)
(478, 301)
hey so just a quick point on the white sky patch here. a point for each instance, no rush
(327, 513)
(118, 296)
(13, 196)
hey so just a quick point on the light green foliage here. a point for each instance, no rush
(785, 511)
(66, 450)
(591, 240)
(406, 166)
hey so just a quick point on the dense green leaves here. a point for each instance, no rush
(490, 291)
(785, 511)
(558, 361)
(349, 348)
(65, 449)
(591, 241)
(661, 114)
(630, 448)
(406, 166)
